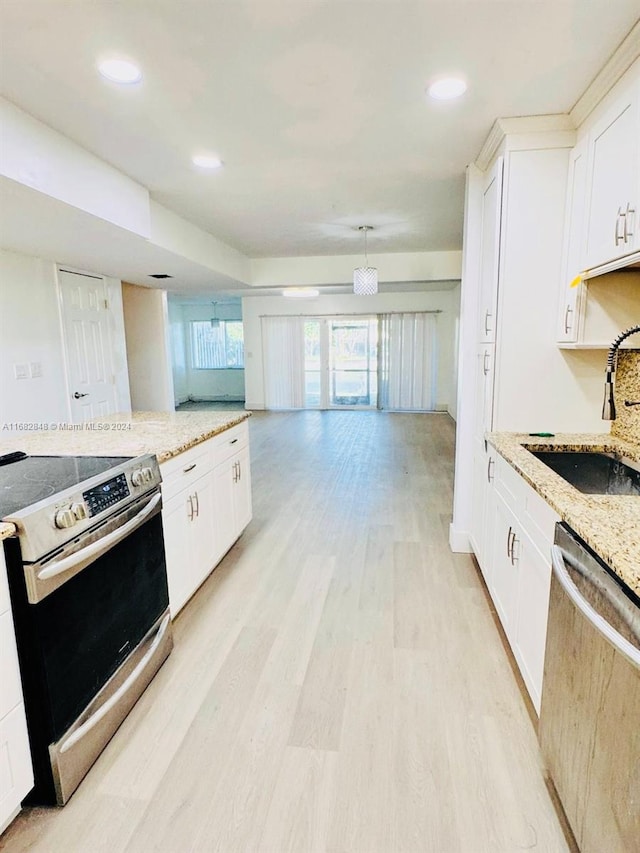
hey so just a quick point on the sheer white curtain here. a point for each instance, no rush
(408, 361)
(283, 361)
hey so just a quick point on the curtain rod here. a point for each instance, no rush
(353, 314)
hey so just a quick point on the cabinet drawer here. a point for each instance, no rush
(230, 442)
(509, 484)
(180, 472)
(539, 519)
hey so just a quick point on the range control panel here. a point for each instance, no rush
(106, 494)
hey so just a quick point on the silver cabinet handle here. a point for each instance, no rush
(77, 395)
(190, 511)
(485, 364)
(189, 468)
(628, 231)
(514, 539)
(601, 625)
(93, 721)
(239, 471)
(195, 495)
(509, 546)
(619, 235)
(235, 472)
(489, 471)
(567, 327)
(487, 314)
(101, 546)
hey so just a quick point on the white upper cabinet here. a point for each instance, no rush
(570, 293)
(612, 227)
(490, 253)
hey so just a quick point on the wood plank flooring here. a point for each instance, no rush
(337, 684)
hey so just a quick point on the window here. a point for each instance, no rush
(217, 344)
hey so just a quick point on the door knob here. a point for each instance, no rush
(77, 395)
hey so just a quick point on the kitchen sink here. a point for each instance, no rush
(594, 473)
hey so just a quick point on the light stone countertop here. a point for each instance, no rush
(609, 524)
(166, 434)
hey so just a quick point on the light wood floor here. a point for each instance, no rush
(338, 683)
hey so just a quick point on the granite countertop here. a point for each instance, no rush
(609, 524)
(166, 434)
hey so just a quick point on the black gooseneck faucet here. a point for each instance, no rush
(609, 407)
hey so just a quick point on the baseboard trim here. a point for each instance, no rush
(459, 541)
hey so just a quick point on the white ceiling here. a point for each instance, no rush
(317, 107)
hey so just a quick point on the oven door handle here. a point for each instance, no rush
(620, 643)
(126, 685)
(100, 546)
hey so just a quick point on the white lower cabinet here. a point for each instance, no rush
(531, 611)
(16, 771)
(516, 564)
(504, 569)
(207, 505)
(188, 540)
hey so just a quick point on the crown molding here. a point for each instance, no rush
(503, 127)
(622, 59)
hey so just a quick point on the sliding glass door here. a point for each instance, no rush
(341, 362)
(353, 362)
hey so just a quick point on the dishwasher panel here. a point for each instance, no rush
(590, 715)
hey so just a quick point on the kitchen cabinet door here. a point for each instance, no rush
(224, 511)
(482, 515)
(176, 525)
(490, 253)
(242, 491)
(614, 181)
(484, 390)
(201, 528)
(571, 297)
(534, 581)
(504, 568)
(16, 771)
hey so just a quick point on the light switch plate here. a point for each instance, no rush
(21, 371)
(35, 368)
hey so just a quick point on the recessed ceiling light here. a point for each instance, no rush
(120, 71)
(206, 161)
(446, 88)
(300, 292)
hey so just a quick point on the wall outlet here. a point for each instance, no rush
(21, 371)
(35, 369)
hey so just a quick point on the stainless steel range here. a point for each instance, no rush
(88, 585)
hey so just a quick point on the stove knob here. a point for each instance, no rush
(137, 478)
(147, 473)
(79, 510)
(64, 518)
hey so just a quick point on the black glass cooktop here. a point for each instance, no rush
(36, 478)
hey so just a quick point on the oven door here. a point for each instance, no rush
(89, 647)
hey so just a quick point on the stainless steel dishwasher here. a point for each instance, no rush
(590, 715)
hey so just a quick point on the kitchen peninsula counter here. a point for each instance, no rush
(609, 524)
(166, 434)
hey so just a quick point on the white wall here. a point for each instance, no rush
(254, 307)
(146, 324)
(178, 352)
(34, 154)
(31, 332)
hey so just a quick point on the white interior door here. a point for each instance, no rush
(85, 324)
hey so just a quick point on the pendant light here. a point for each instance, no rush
(365, 279)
